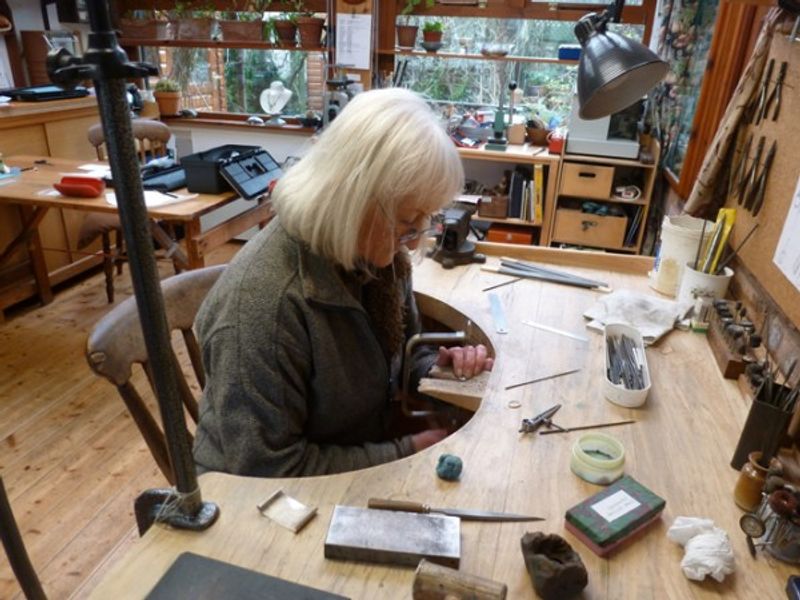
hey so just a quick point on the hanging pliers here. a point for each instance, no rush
(775, 95)
(756, 111)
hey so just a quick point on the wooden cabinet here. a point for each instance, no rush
(57, 129)
(488, 166)
(590, 209)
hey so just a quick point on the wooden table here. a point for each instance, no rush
(31, 187)
(679, 447)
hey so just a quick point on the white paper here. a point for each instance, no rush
(353, 40)
(615, 506)
(787, 254)
(154, 199)
(96, 170)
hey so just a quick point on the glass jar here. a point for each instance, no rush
(747, 493)
(598, 458)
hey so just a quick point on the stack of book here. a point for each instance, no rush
(526, 194)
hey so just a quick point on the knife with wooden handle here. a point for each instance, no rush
(466, 514)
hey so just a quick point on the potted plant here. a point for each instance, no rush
(432, 31)
(193, 21)
(285, 28)
(168, 95)
(309, 25)
(406, 32)
(143, 25)
(245, 22)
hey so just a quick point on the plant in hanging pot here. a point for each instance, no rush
(167, 93)
(406, 32)
(309, 26)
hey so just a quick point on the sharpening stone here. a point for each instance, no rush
(393, 537)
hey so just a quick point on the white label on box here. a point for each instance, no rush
(615, 506)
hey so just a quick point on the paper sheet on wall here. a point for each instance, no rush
(353, 40)
(787, 254)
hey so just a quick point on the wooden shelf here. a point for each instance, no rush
(506, 221)
(622, 162)
(525, 153)
(630, 249)
(639, 202)
(238, 44)
(507, 58)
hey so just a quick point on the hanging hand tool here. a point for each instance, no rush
(741, 169)
(737, 164)
(463, 513)
(543, 418)
(776, 94)
(762, 180)
(762, 94)
(750, 180)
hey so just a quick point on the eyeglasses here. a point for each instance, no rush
(415, 234)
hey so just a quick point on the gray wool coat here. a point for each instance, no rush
(297, 383)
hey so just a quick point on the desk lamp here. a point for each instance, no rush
(614, 71)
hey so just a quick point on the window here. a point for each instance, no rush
(546, 88)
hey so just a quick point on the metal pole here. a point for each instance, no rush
(15, 550)
(107, 65)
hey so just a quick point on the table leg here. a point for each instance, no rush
(31, 217)
(196, 259)
(172, 247)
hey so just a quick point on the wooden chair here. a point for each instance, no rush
(151, 142)
(15, 550)
(116, 343)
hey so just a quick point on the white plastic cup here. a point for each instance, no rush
(680, 237)
(696, 284)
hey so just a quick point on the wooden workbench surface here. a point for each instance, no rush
(679, 447)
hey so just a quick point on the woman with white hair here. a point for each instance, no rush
(302, 336)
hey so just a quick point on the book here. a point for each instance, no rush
(614, 516)
(200, 578)
(538, 193)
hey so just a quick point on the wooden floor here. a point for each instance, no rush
(71, 457)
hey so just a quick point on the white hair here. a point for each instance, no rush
(384, 148)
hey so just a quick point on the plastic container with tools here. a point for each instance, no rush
(618, 392)
(598, 458)
(249, 170)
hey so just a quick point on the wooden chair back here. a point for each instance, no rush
(116, 344)
(151, 139)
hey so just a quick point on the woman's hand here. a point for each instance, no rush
(467, 361)
(427, 438)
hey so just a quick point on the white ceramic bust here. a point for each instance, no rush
(274, 98)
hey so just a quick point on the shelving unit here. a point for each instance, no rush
(209, 43)
(472, 56)
(522, 154)
(590, 178)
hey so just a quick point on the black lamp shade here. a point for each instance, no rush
(614, 72)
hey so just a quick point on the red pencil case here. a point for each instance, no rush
(83, 187)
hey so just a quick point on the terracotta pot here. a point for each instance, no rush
(537, 136)
(242, 30)
(432, 36)
(286, 32)
(193, 29)
(169, 103)
(407, 36)
(310, 29)
(144, 29)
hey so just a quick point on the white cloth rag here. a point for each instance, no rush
(652, 316)
(707, 548)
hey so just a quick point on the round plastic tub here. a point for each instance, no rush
(598, 458)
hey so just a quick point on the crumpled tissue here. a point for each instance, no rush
(707, 548)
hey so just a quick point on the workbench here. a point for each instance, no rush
(679, 447)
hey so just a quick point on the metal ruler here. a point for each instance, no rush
(498, 315)
(568, 334)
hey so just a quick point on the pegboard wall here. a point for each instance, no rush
(757, 254)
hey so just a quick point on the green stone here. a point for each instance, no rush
(449, 467)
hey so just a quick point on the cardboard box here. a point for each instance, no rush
(495, 207)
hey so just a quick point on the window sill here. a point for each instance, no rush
(228, 121)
